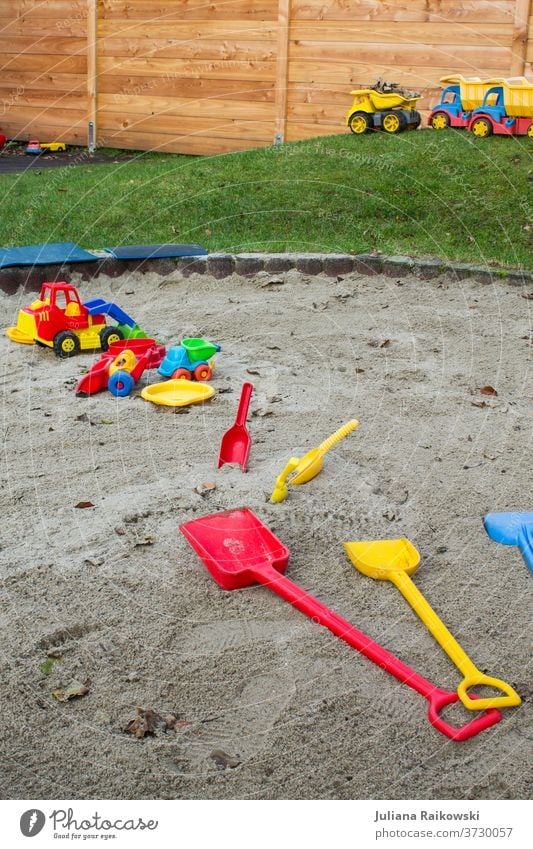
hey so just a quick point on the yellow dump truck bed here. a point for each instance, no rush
(381, 101)
(517, 96)
(473, 89)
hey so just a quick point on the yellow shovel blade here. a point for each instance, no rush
(379, 558)
(308, 467)
(16, 335)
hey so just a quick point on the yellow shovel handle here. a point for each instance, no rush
(337, 436)
(472, 675)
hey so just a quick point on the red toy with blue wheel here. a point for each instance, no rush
(120, 367)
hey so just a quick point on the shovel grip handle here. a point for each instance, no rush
(439, 699)
(337, 436)
(244, 404)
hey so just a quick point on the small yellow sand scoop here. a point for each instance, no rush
(299, 471)
(395, 560)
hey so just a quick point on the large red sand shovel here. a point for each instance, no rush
(238, 550)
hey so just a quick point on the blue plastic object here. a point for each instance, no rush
(155, 251)
(512, 529)
(100, 307)
(54, 253)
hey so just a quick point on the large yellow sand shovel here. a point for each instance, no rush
(299, 471)
(395, 560)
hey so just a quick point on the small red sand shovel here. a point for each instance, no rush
(238, 550)
(236, 442)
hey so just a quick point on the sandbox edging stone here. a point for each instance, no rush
(220, 265)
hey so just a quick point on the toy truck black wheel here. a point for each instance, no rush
(109, 335)
(360, 122)
(393, 122)
(481, 128)
(440, 121)
(66, 344)
(530, 130)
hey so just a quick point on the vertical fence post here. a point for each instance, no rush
(520, 34)
(284, 11)
(92, 24)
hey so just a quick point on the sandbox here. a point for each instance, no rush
(250, 699)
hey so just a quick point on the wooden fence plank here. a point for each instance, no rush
(490, 11)
(195, 145)
(356, 75)
(39, 129)
(385, 32)
(55, 117)
(27, 26)
(37, 63)
(234, 49)
(40, 98)
(53, 82)
(173, 86)
(54, 46)
(190, 10)
(180, 30)
(260, 131)
(149, 105)
(458, 57)
(218, 69)
(59, 9)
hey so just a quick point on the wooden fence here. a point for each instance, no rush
(210, 76)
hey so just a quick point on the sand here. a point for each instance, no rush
(267, 704)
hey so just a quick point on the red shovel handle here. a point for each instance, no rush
(439, 699)
(318, 612)
(244, 404)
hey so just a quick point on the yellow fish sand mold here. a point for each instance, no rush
(300, 471)
(177, 392)
(395, 560)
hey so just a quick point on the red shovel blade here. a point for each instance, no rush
(234, 545)
(236, 442)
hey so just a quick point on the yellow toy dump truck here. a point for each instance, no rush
(384, 106)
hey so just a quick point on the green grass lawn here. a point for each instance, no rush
(433, 193)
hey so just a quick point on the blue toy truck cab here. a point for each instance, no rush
(449, 111)
(493, 104)
(451, 100)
